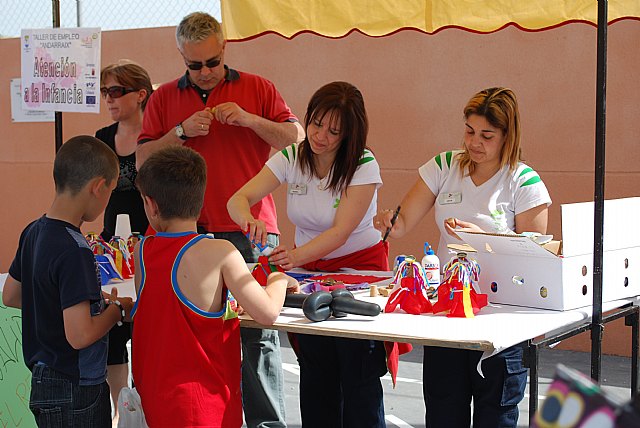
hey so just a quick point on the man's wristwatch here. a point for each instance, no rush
(122, 312)
(180, 132)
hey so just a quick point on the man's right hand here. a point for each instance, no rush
(198, 124)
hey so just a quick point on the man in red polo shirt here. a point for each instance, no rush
(232, 119)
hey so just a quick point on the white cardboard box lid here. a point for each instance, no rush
(515, 245)
(619, 227)
(620, 215)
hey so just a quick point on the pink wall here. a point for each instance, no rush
(415, 87)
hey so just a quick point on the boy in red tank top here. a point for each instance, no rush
(186, 357)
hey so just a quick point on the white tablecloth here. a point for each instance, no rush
(495, 328)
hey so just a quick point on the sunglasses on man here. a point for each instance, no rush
(116, 91)
(210, 63)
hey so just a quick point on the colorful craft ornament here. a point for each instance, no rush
(262, 270)
(131, 244)
(107, 268)
(410, 289)
(115, 260)
(122, 256)
(456, 294)
(97, 244)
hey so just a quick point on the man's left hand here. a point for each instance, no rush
(231, 114)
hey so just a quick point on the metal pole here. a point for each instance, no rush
(55, 5)
(634, 322)
(601, 103)
(78, 13)
(533, 361)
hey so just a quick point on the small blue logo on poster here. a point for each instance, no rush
(91, 99)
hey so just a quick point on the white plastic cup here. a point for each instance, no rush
(123, 226)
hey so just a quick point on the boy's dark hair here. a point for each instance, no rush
(175, 177)
(82, 159)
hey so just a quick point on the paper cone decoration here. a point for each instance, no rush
(123, 226)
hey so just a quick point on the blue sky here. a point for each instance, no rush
(106, 14)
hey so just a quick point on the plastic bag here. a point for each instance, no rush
(130, 409)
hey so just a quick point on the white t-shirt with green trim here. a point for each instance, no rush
(493, 205)
(312, 209)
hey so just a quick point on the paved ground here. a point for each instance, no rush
(404, 407)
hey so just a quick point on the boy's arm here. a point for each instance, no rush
(12, 293)
(81, 329)
(262, 304)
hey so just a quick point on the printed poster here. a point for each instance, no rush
(19, 115)
(61, 69)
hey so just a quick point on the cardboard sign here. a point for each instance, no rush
(61, 69)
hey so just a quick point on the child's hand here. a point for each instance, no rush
(106, 296)
(126, 302)
(292, 286)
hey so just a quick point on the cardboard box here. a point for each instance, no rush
(516, 270)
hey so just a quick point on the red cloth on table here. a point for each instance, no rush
(372, 258)
(349, 278)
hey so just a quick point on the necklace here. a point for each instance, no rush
(322, 183)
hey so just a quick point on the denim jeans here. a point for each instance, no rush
(58, 402)
(451, 380)
(262, 377)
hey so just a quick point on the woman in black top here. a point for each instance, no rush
(125, 88)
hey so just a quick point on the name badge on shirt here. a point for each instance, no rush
(450, 198)
(297, 189)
